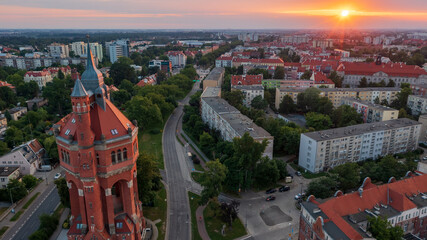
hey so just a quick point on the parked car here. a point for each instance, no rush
(425, 158)
(270, 191)
(270, 198)
(57, 176)
(298, 173)
(298, 196)
(284, 188)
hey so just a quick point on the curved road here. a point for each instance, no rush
(178, 221)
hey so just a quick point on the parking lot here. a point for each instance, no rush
(272, 219)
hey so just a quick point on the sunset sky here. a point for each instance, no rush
(218, 14)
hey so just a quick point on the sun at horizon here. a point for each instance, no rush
(344, 13)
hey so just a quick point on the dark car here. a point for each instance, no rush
(270, 198)
(298, 173)
(284, 188)
(270, 191)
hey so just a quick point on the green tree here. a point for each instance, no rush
(58, 94)
(306, 75)
(121, 70)
(3, 148)
(144, 111)
(206, 143)
(281, 166)
(336, 79)
(64, 194)
(235, 98)
(7, 96)
(381, 229)
(17, 189)
(308, 100)
(391, 83)
(363, 82)
(259, 103)
(345, 115)
(137, 58)
(127, 85)
(403, 113)
(189, 71)
(318, 121)
(279, 73)
(256, 71)
(416, 59)
(30, 181)
(49, 144)
(148, 178)
(287, 105)
(61, 75)
(266, 172)
(322, 187)
(348, 176)
(120, 97)
(324, 106)
(165, 107)
(13, 136)
(212, 180)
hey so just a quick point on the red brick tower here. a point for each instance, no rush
(98, 148)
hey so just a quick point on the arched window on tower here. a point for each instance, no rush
(125, 154)
(119, 155)
(113, 157)
(97, 159)
(78, 107)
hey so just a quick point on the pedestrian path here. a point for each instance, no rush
(201, 223)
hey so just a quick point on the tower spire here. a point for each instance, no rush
(91, 78)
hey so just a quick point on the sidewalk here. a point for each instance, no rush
(42, 188)
(201, 223)
(58, 230)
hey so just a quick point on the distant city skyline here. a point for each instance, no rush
(220, 14)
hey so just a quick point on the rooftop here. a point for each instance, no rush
(220, 105)
(216, 74)
(369, 104)
(418, 96)
(6, 171)
(16, 109)
(391, 69)
(241, 124)
(360, 129)
(211, 92)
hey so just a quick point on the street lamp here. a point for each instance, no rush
(11, 198)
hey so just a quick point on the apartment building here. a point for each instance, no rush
(417, 104)
(346, 216)
(177, 58)
(215, 78)
(224, 61)
(27, 156)
(78, 48)
(266, 62)
(17, 112)
(419, 89)
(337, 94)
(376, 72)
(58, 50)
(163, 65)
(40, 77)
(423, 133)
(250, 92)
(371, 112)
(117, 49)
(323, 150)
(246, 79)
(218, 114)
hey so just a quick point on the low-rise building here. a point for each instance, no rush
(423, 133)
(37, 102)
(224, 61)
(150, 80)
(6, 84)
(417, 104)
(321, 81)
(163, 65)
(268, 62)
(419, 89)
(246, 79)
(220, 115)
(346, 216)
(40, 77)
(215, 78)
(337, 94)
(250, 92)
(17, 112)
(27, 156)
(7, 174)
(323, 150)
(3, 124)
(371, 112)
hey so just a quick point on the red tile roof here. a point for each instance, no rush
(150, 80)
(225, 58)
(320, 78)
(5, 84)
(372, 195)
(246, 79)
(258, 61)
(391, 69)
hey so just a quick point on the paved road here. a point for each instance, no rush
(27, 224)
(178, 221)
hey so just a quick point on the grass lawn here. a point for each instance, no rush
(194, 199)
(214, 224)
(152, 144)
(17, 215)
(158, 211)
(3, 230)
(307, 175)
(28, 203)
(199, 167)
(197, 177)
(2, 210)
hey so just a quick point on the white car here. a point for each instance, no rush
(57, 176)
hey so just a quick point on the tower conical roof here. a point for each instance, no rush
(91, 78)
(79, 90)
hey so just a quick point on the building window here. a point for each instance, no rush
(113, 157)
(67, 132)
(97, 159)
(119, 155)
(119, 225)
(114, 131)
(125, 154)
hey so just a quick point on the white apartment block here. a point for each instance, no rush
(40, 77)
(117, 49)
(250, 92)
(219, 115)
(417, 104)
(177, 58)
(322, 150)
(58, 50)
(96, 50)
(27, 156)
(78, 48)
